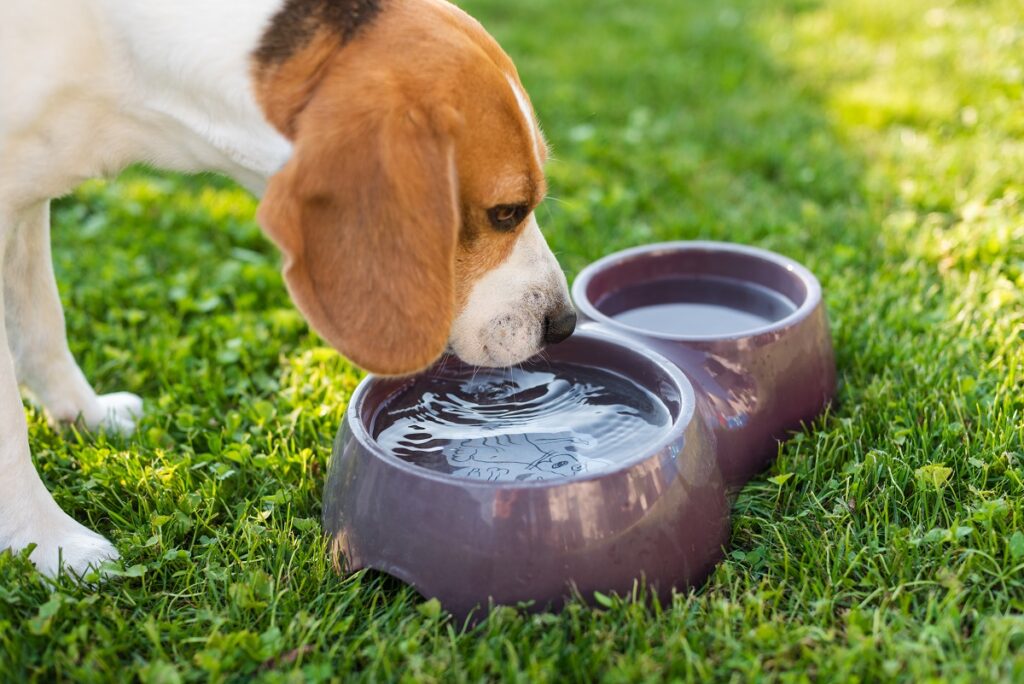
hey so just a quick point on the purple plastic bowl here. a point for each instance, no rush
(754, 385)
(662, 515)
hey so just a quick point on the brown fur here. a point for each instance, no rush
(404, 137)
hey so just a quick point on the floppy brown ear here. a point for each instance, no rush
(366, 215)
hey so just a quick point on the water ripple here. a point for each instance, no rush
(537, 422)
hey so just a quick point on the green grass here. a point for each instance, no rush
(881, 143)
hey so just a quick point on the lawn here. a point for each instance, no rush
(881, 143)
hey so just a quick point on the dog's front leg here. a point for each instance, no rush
(37, 335)
(28, 514)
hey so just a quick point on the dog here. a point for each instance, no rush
(396, 154)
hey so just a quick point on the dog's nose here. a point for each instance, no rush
(559, 326)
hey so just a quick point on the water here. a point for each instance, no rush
(697, 306)
(542, 421)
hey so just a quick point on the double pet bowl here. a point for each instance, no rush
(760, 366)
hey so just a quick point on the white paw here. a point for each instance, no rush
(72, 545)
(118, 413)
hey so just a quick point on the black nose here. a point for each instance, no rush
(559, 326)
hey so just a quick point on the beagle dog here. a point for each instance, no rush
(397, 155)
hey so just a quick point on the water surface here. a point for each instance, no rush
(540, 421)
(697, 306)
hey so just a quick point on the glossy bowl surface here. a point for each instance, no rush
(754, 386)
(661, 515)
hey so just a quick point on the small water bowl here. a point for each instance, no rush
(515, 517)
(747, 326)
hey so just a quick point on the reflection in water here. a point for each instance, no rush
(540, 421)
(708, 305)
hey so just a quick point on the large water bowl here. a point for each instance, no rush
(659, 514)
(746, 325)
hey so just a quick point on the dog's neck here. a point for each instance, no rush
(193, 83)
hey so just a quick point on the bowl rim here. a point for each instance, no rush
(675, 431)
(590, 311)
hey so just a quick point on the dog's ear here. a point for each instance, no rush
(367, 217)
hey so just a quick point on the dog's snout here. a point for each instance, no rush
(559, 325)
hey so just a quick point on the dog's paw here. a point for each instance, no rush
(72, 546)
(118, 413)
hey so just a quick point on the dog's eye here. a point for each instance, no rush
(506, 217)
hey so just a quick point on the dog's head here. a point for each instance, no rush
(406, 213)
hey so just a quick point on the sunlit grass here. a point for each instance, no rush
(878, 142)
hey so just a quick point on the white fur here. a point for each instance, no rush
(503, 321)
(527, 112)
(90, 86)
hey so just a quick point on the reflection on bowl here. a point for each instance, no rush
(658, 511)
(747, 326)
